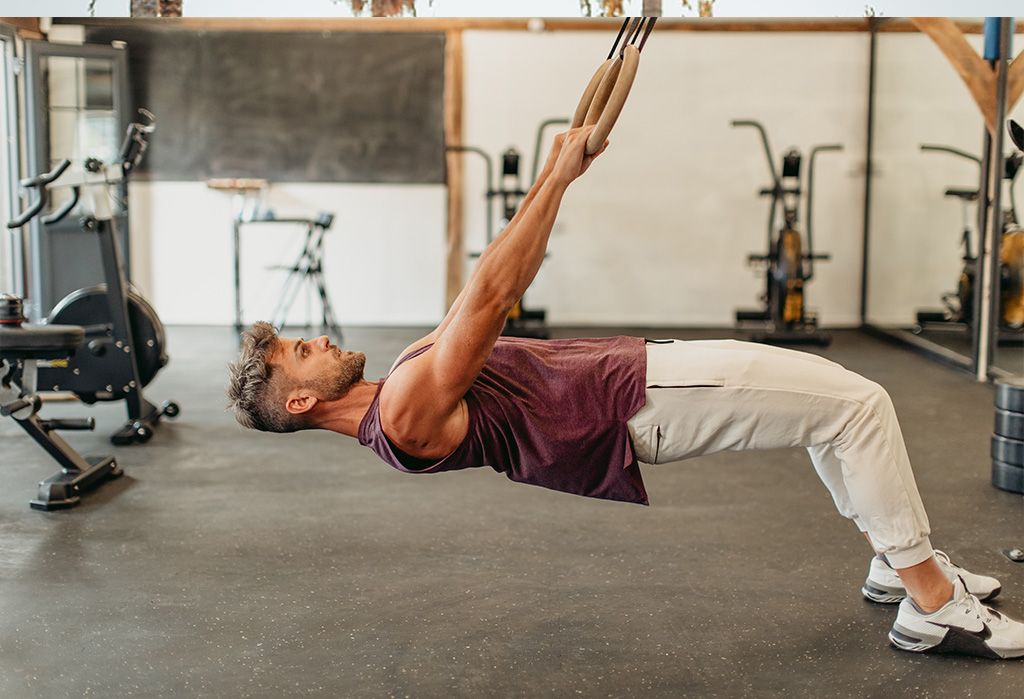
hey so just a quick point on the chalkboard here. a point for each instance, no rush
(288, 106)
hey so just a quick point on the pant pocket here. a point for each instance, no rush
(686, 383)
(646, 443)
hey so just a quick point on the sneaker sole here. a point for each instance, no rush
(954, 642)
(891, 596)
(882, 596)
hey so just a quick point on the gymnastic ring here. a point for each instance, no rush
(588, 94)
(616, 101)
(603, 92)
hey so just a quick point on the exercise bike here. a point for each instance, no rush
(124, 345)
(22, 349)
(521, 321)
(789, 266)
(958, 306)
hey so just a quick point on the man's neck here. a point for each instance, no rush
(344, 415)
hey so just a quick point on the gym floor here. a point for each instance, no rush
(236, 564)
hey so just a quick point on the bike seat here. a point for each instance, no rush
(40, 341)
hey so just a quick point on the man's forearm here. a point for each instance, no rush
(513, 259)
(524, 206)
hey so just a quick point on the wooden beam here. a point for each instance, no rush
(27, 27)
(974, 70)
(505, 25)
(557, 24)
(453, 86)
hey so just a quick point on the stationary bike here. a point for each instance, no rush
(958, 305)
(785, 318)
(124, 345)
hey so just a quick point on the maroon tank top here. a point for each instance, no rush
(551, 413)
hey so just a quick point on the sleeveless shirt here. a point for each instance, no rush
(551, 413)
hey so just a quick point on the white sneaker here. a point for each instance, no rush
(963, 625)
(884, 585)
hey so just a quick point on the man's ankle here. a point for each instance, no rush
(933, 601)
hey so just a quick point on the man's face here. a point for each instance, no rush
(318, 366)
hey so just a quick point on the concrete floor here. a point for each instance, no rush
(235, 564)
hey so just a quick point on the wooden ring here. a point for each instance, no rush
(616, 101)
(603, 92)
(588, 95)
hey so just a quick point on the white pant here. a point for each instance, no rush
(706, 396)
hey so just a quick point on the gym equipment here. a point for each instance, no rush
(1010, 408)
(606, 93)
(124, 344)
(1008, 436)
(22, 347)
(306, 271)
(521, 321)
(785, 318)
(958, 306)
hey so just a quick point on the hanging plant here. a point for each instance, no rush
(602, 8)
(170, 8)
(153, 8)
(382, 8)
(704, 7)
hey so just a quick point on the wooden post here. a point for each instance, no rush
(453, 77)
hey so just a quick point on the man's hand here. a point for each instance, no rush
(568, 159)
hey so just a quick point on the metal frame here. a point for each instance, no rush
(13, 241)
(37, 150)
(984, 338)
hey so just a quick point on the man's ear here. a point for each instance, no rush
(300, 402)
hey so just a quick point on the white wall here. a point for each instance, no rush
(64, 8)
(658, 231)
(384, 257)
(915, 230)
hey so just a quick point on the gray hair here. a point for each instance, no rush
(257, 391)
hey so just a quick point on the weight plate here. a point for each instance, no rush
(1010, 394)
(1009, 424)
(1007, 476)
(1010, 451)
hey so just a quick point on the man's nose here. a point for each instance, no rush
(323, 342)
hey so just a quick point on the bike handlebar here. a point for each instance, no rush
(952, 151)
(736, 123)
(39, 182)
(47, 177)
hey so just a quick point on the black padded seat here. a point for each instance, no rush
(40, 341)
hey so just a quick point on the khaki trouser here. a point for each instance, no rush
(706, 396)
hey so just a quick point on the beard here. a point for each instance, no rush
(336, 382)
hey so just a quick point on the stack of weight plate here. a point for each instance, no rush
(1008, 440)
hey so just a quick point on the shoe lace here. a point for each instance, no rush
(972, 606)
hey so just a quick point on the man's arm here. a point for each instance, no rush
(423, 398)
(524, 206)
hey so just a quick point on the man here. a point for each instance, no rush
(577, 416)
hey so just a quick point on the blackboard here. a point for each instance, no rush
(288, 106)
